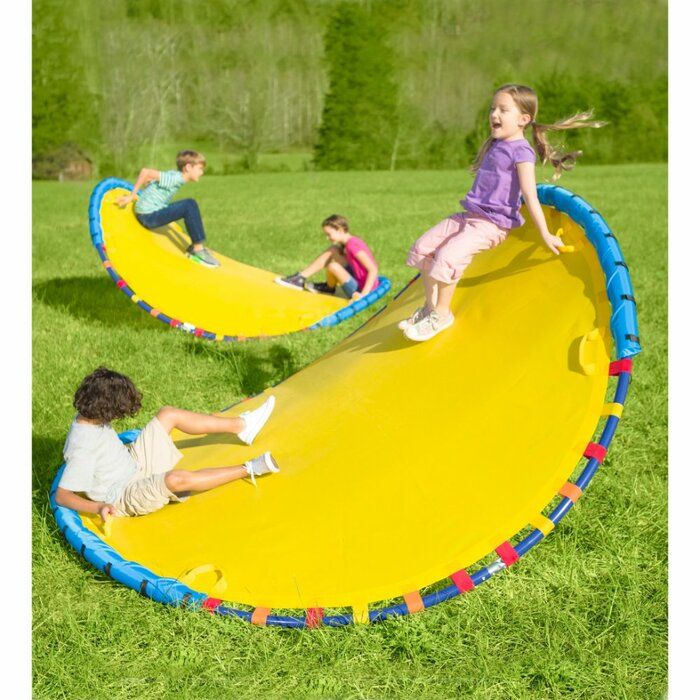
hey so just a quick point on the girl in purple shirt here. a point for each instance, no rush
(505, 169)
(351, 270)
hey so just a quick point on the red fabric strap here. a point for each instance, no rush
(462, 580)
(595, 451)
(211, 604)
(174, 322)
(121, 283)
(507, 553)
(314, 617)
(620, 366)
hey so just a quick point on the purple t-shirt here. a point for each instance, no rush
(495, 193)
(357, 269)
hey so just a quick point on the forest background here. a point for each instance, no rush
(302, 84)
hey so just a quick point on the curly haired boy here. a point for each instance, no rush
(139, 478)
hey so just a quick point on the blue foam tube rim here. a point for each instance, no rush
(624, 323)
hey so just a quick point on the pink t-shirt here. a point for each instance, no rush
(357, 269)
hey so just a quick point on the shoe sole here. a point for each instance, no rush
(422, 340)
(271, 464)
(282, 283)
(263, 420)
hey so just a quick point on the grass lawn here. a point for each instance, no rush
(582, 616)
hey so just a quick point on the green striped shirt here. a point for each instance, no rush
(158, 193)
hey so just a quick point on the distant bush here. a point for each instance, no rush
(65, 162)
(637, 116)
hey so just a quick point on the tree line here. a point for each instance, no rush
(361, 84)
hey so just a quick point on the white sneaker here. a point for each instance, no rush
(264, 464)
(429, 327)
(255, 420)
(417, 315)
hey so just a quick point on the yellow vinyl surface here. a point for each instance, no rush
(234, 299)
(402, 462)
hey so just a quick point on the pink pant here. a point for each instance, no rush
(444, 251)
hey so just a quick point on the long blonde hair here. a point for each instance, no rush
(525, 99)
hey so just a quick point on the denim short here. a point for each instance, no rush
(347, 289)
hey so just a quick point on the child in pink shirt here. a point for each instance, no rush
(351, 270)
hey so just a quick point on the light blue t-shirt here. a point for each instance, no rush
(158, 193)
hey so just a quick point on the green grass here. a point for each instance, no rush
(582, 616)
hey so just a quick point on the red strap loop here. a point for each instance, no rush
(507, 553)
(462, 580)
(211, 604)
(619, 366)
(314, 617)
(596, 451)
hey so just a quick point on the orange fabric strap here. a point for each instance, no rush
(570, 491)
(259, 616)
(413, 601)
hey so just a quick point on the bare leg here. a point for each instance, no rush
(320, 262)
(197, 423)
(445, 292)
(337, 273)
(431, 289)
(181, 480)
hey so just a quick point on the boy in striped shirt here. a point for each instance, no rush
(153, 208)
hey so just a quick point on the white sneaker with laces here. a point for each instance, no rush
(255, 420)
(429, 327)
(258, 466)
(416, 316)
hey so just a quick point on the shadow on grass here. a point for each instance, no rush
(252, 366)
(94, 299)
(47, 457)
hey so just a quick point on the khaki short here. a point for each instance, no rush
(155, 453)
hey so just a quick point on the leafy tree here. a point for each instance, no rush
(63, 110)
(359, 121)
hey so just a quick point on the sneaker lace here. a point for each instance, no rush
(417, 315)
(251, 472)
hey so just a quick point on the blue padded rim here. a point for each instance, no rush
(623, 322)
(108, 560)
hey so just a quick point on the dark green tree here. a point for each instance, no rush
(359, 121)
(63, 110)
